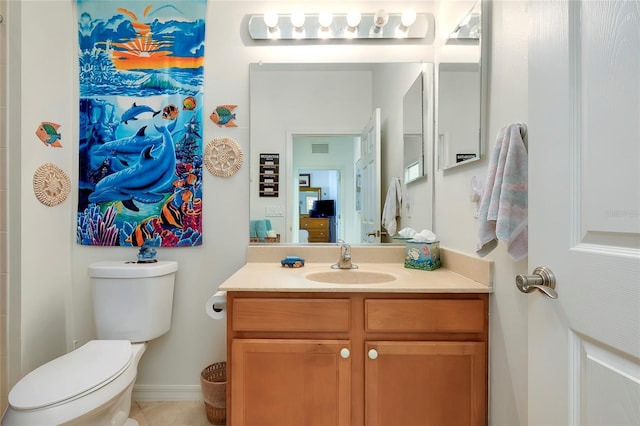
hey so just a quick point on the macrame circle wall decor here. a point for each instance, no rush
(51, 185)
(223, 157)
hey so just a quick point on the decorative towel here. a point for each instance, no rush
(392, 205)
(252, 229)
(504, 207)
(259, 228)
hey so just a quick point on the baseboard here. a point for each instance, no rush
(167, 393)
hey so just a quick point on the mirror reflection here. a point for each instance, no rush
(308, 196)
(460, 93)
(412, 131)
(458, 114)
(317, 117)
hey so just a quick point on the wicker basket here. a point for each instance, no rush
(275, 239)
(213, 381)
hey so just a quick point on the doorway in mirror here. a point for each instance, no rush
(319, 206)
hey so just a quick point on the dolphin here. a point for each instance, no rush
(135, 110)
(146, 181)
(128, 149)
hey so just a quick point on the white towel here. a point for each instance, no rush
(504, 207)
(392, 205)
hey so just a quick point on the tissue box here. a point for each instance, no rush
(422, 255)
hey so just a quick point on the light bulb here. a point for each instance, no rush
(353, 18)
(381, 18)
(325, 19)
(408, 17)
(297, 19)
(271, 19)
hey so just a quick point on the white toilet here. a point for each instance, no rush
(92, 385)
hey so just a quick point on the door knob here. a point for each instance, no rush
(373, 354)
(344, 353)
(542, 279)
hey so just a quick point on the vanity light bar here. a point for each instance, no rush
(379, 25)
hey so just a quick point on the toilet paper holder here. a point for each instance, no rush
(216, 306)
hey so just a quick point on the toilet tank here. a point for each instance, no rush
(132, 301)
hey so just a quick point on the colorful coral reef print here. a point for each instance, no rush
(141, 88)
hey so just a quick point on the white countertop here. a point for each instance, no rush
(271, 276)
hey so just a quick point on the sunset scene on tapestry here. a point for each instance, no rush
(141, 68)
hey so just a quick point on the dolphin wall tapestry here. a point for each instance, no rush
(141, 90)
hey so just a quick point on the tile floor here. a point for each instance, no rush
(169, 413)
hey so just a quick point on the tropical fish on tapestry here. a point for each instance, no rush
(140, 145)
(142, 232)
(223, 116)
(147, 181)
(135, 110)
(170, 112)
(47, 132)
(189, 103)
(171, 214)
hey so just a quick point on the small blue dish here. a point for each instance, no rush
(292, 262)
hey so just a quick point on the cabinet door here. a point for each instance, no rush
(425, 383)
(282, 382)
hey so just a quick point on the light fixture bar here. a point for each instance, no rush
(339, 30)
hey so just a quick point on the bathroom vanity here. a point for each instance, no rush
(410, 351)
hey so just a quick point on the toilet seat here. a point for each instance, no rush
(72, 375)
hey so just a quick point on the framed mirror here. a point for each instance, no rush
(313, 116)
(412, 131)
(460, 89)
(307, 195)
(458, 114)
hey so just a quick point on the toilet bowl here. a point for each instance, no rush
(92, 385)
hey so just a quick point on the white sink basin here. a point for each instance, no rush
(350, 276)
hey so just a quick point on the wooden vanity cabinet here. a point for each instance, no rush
(355, 359)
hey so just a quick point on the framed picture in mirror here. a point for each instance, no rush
(304, 180)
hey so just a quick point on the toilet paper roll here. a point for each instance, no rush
(216, 306)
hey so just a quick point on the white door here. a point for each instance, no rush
(584, 207)
(368, 177)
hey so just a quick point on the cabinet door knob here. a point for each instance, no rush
(344, 353)
(373, 354)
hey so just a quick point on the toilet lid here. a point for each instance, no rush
(90, 366)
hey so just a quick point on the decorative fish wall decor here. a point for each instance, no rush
(141, 69)
(48, 133)
(224, 116)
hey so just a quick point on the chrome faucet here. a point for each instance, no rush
(345, 257)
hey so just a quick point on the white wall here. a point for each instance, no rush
(457, 228)
(46, 232)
